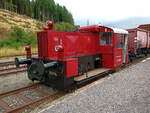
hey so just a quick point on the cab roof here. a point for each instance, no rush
(119, 31)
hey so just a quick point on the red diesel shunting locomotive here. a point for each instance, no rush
(69, 58)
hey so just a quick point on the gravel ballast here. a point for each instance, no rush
(14, 81)
(127, 91)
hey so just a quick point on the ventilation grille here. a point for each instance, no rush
(42, 44)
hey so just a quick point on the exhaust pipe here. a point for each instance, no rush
(22, 61)
(51, 64)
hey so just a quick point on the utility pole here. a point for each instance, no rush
(88, 23)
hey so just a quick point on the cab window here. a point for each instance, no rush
(105, 38)
(120, 40)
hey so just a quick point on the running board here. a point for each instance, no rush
(94, 77)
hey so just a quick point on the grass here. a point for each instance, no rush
(4, 33)
(63, 26)
(12, 51)
(13, 44)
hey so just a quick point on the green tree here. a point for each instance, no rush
(39, 9)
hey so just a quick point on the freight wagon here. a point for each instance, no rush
(138, 42)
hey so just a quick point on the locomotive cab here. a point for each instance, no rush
(113, 47)
(70, 58)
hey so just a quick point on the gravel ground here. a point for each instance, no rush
(127, 91)
(15, 81)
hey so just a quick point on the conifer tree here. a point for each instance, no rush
(39, 9)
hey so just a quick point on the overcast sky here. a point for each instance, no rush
(106, 10)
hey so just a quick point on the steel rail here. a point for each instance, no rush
(2, 64)
(1, 57)
(27, 104)
(12, 68)
(34, 102)
(13, 72)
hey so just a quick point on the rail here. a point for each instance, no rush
(7, 68)
(20, 99)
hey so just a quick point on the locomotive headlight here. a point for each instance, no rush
(59, 48)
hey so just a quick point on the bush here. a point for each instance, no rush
(19, 38)
(64, 27)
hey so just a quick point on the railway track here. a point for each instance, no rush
(9, 63)
(7, 68)
(10, 71)
(9, 56)
(19, 100)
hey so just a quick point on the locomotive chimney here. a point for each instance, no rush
(50, 25)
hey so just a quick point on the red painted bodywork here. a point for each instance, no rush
(74, 44)
(136, 35)
(61, 46)
(71, 67)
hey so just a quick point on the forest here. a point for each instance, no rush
(39, 9)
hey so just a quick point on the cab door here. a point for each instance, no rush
(106, 49)
(120, 49)
(113, 48)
